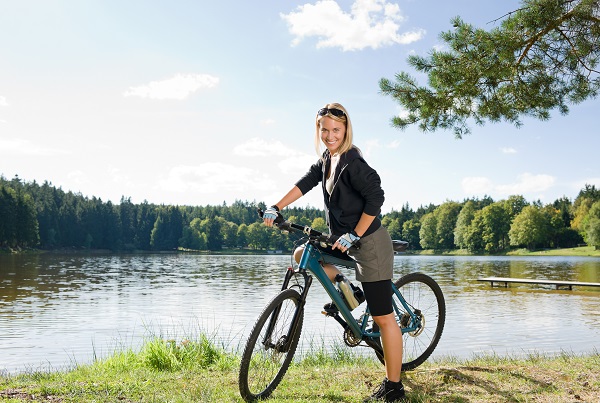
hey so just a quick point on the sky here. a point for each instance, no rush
(209, 102)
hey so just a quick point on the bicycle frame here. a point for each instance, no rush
(310, 261)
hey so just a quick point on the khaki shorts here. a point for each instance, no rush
(375, 258)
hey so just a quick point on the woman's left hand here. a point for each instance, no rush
(346, 241)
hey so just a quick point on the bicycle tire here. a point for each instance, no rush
(262, 366)
(423, 293)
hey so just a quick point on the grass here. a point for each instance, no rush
(578, 251)
(199, 371)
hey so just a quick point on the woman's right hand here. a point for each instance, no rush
(270, 215)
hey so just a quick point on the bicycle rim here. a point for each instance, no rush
(421, 293)
(265, 361)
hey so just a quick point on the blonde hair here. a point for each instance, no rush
(347, 143)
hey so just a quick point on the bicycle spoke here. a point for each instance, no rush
(271, 347)
(425, 299)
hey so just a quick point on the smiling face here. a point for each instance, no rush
(332, 133)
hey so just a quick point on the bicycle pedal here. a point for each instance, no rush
(329, 309)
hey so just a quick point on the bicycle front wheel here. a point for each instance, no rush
(425, 298)
(271, 346)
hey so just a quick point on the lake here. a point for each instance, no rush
(57, 310)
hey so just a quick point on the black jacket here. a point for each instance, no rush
(356, 189)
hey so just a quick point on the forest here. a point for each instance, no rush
(34, 216)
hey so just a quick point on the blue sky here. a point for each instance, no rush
(205, 102)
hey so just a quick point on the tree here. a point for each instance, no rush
(447, 214)
(514, 205)
(556, 233)
(193, 237)
(410, 232)
(8, 215)
(127, 215)
(582, 208)
(258, 235)
(394, 220)
(229, 233)
(428, 231)
(319, 224)
(211, 227)
(565, 207)
(463, 221)
(528, 228)
(591, 226)
(394, 227)
(146, 218)
(242, 235)
(489, 229)
(542, 57)
(168, 229)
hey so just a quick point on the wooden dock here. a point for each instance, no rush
(557, 283)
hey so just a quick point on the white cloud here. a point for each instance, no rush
(3, 102)
(297, 164)
(292, 161)
(119, 177)
(27, 148)
(477, 185)
(508, 150)
(370, 147)
(394, 144)
(370, 23)
(288, 160)
(78, 177)
(256, 147)
(267, 122)
(211, 178)
(177, 87)
(526, 183)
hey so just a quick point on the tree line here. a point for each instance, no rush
(34, 215)
(486, 226)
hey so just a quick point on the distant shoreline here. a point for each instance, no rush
(582, 251)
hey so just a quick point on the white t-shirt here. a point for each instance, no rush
(330, 180)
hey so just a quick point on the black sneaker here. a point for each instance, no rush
(388, 391)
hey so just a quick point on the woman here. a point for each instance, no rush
(353, 199)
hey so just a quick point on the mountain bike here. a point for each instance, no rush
(418, 303)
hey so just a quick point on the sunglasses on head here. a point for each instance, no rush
(333, 111)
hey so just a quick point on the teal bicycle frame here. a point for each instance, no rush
(310, 260)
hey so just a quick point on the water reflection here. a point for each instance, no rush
(58, 310)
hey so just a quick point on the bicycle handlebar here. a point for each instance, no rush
(284, 225)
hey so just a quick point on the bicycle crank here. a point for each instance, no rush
(350, 339)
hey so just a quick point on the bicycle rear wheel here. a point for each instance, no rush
(271, 346)
(425, 298)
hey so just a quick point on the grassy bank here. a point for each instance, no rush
(579, 251)
(163, 371)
